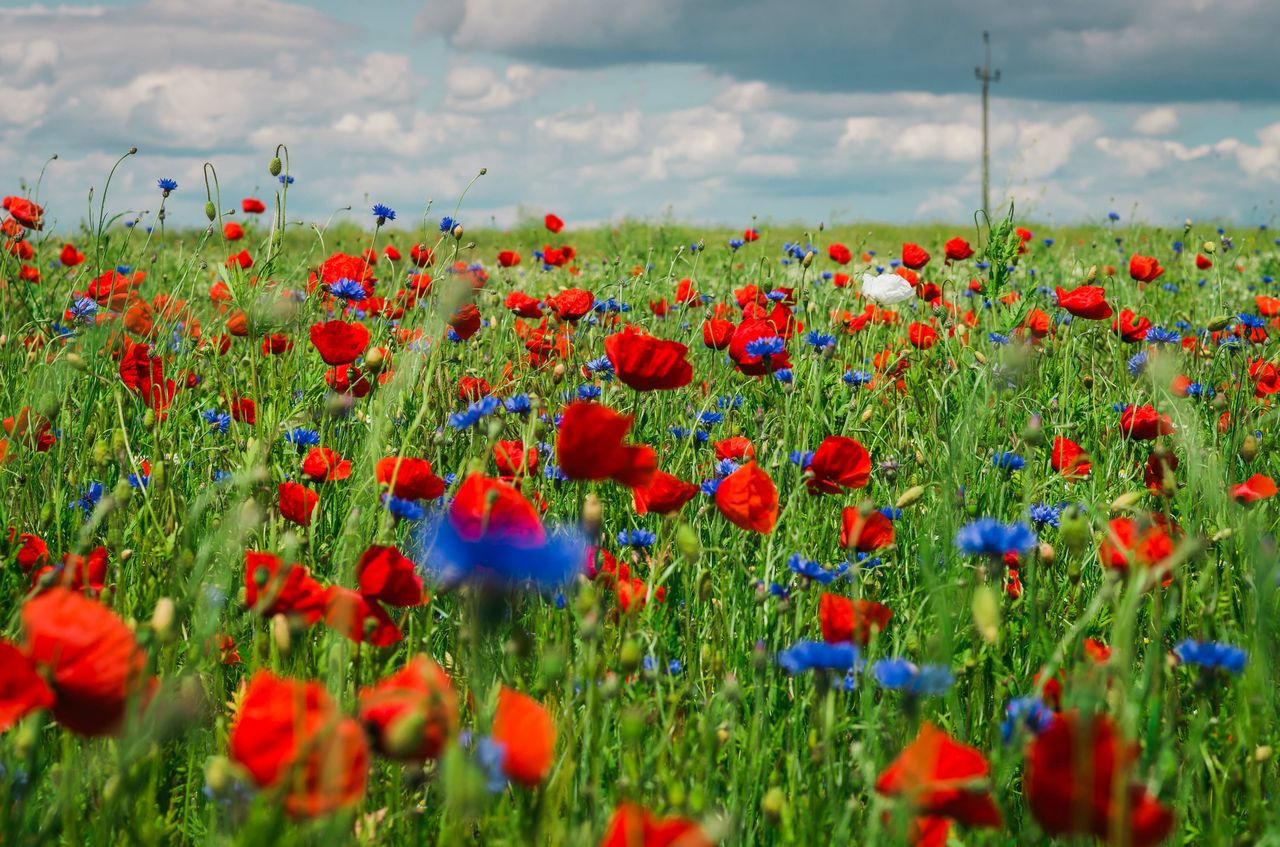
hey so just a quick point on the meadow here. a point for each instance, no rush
(403, 530)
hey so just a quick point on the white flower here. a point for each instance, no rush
(886, 289)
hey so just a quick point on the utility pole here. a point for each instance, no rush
(986, 77)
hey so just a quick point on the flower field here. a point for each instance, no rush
(406, 531)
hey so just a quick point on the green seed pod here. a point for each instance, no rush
(1219, 322)
(630, 656)
(688, 543)
(77, 361)
(149, 419)
(101, 452)
(1249, 448)
(911, 496)
(276, 166)
(210, 211)
(632, 725)
(118, 441)
(1074, 529)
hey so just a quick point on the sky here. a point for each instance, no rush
(704, 111)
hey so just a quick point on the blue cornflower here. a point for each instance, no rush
(858, 378)
(1211, 655)
(1252, 321)
(218, 421)
(1048, 242)
(447, 224)
(84, 309)
(678, 432)
(475, 413)
(1137, 364)
(285, 179)
(709, 487)
(637, 538)
(491, 754)
(812, 570)
(784, 376)
(767, 346)
(802, 458)
(405, 510)
(816, 655)
(508, 558)
(710, 418)
(1196, 389)
(890, 512)
(166, 185)
(724, 467)
(989, 537)
(820, 341)
(1114, 216)
(727, 402)
(300, 437)
(89, 497)
(139, 480)
(1160, 335)
(518, 404)
(384, 213)
(552, 472)
(602, 365)
(906, 676)
(735, 243)
(1046, 513)
(1028, 712)
(588, 392)
(997, 338)
(347, 289)
(1008, 461)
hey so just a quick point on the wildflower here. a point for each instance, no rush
(634, 826)
(858, 378)
(166, 185)
(1043, 514)
(820, 341)
(84, 310)
(817, 655)
(998, 338)
(814, 571)
(989, 537)
(887, 289)
(766, 347)
(851, 620)
(590, 446)
(300, 437)
(1025, 712)
(518, 404)
(447, 224)
(839, 462)
(413, 713)
(384, 213)
(905, 676)
(640, 539)
(1160, 335)
(475, 412)
(285, 179)
(347, 289)
(1211, 655)
(1008, 461)
(749, 499)
(941, 779)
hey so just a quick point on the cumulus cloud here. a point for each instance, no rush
(1159, 121)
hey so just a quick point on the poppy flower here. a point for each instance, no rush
(22, 689)
(687, 293)
(1147, 543)
(1070, 459)
(76, 572)
(387, 575)
(664, 494)
(24, 212)
(527, 735)
(749, 499)
(509, 259)
(1158, 474)
(866, 533)
(1131, 327)
(1144, 268)
(339, 342)
(89, 656)
(297, 503)
(1143, 423)
(634, 826)
(553, 223)
(422, 255)
(32, 552)
(887, 289)
(921, 335)
(590, 446)
(839, 254)
(1072, 771)
(489, 510)
(232, 231)
(940, 777)
(252, 206)
(572, 304)
(113, 289)
(275, 588)
(717, 334)
(143, 374)
(465, 321)
(409, 478)
(1085, 301)
(844, 620)
(957, 249)
(325, 465)
(290, 734)
(735, 447)
(359, 618)
(513, 459)
(1255, 488)
(646, 363)
(31, 429)
(413, 713)
(914, 256)
(757, 348)
(839, 462)
(70, 256)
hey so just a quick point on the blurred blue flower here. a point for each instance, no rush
(816, 655)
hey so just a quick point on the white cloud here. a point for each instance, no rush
(1159, 121)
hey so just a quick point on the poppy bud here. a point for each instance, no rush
(276, 166)
(592, 516)
(807, 260)
(122, 491)
(101, 452)
(1219, 322)
(1073, 527)
(911, 496)
(374, 360)
(1249, 448)
(1125, 502)
(1033, 434)
(632, 724)
(149, 419)
(1222, 535)
(610, 686)
(210, 211)
(630, 656)
(158, 478)
(688, 543)
(219, 774)
(1091, 275)
(457, 231)
(77, 361)
(1263, 753)
(865, 416)
(1210, 247)
(281, 635)
(162, 618)
(1047, 554)
(558, 372)
(986, 613)
(774, 805)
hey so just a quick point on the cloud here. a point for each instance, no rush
(1159, 121)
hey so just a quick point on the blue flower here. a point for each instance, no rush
(347, 289)
(710, 418)
(766, 346)
(285, 179)
(735, 243)
(384, 213)
(637, 538)
(997, 338)
(300, 437)
(679, 433)
(784, 376)
(588, 392)
(503, 559)
(816, 655)
(518, 404)
(1252, 321)
(405, 510)
(1114, 216)
(1028, 712)
(890, 512)
(475, 413)
(166, 185)
(1160, 335)
(602, 365)
(1137, 364)
(819, 341)
(812, 570)
(89, 497)
(491, 754)
(218, 422)
(1211, 655)
(84, 310)
(709, 487)
(1008, 461)
(447, 224)
(1046, 513)
(724, 467)
(801, 458)
(858, 378)
(905, 676)
(989, 537)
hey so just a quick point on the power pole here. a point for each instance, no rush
(986, 77)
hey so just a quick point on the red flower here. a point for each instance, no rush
(490, 509)
(957, 250)
(290, 733)
(750, 235)
(1144, 268)
(590, 446)
(940, 777)
(922, 336)
(89, 656)
(1070, 459)
(359, 618)
(914, 256)
(143, 374)
(409, 478)
(1255, 488)
(24, 211)
(687, 293)
(839, 254)
(465, 321)
(273, 588)
(70, 256)
(31, 429)
(513, 459)
(571, 304)
(252, 206)
(749, 499)
(232, 231)
(412, 713)
(839, 462)
(1086, 301)
(664, 494)
(339, 342)
(472, 388)
(751, 330)
(1143, 423)
(1073, 767)
(22, 689)
(77, 572)
(525, 730)
(851, 620)
(633, 826)
(1203, 262)
(243, 259)
(868, 532)
(646, 363)
(509, 259)
(297, 503)
(325, 465)
(1132, 328)
(736, 447)
(553, 223)
(32, 551)
(387, 575)
(1147, 544)
(1159, 472)
(422, 255)
(717, 333)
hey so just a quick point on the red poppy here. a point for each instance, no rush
(528, 735)
(749, 499)
(646, 363)
(1159, 472)
(839, 254)
(1131, 327)
(77, 572)
(324, 465)
(1143, 423)
(717, 333)
(31, 552)
(290, 733)
(663, 495)
(572, 304)
(359, 618)
(297, 503)
(752, 330)
(634, 826)
(409, 478)
(1144, 268)
(1085, 301)
(1147, 543)
(914, 256)
(735, 447)
(957, 249)
(1255, 488)
(143, 374)
(508, 259)
(472, 388)
(1070, 459)
(553, 223)
(1073, 767)
(89, 656)
(590, 446)
(490, 509)
(413, 713)
(339, 342)
(866, 533)
(31, 429)
(22, 689)
(241, 259)
(252, 206)
(387, 575)
(232, 231)
(243, 409)
(839, 462)
(844, 620)
(1203, 262)
(24, 211)
(113, 289)
(921, 335)
(273, 588)
(940, 777)
(687, 292)
(70, 256)
(465, 321)
(513, 459)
